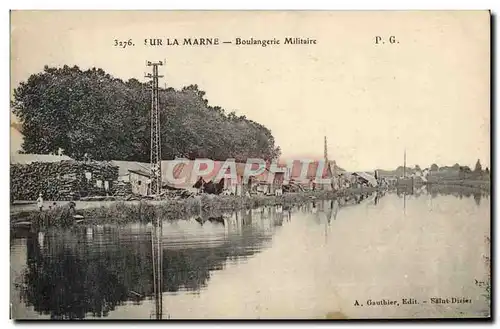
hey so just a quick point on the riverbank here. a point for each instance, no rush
(145, 211)
(478, 184)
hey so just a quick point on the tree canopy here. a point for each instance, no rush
(93, 112)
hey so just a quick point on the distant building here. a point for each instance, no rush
(261, 184)
(124, 168)
(365, 179)
(309, 181)
(16, 136)
(419, 176)
(140, 182)
(180, 175)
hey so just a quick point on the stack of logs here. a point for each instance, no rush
(63, 181)
(122, 189)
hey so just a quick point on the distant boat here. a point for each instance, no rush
(78, 219)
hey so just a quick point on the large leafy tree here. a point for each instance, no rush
(95, 113)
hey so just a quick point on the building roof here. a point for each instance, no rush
(125, 166)
(17, 158)
(312, 170)
(140, 172)
(336, 168)
(369, 178)
(183, 169)
(16, 134)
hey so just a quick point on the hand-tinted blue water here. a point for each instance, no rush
(313, 261)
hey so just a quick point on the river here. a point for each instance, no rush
(326, 259)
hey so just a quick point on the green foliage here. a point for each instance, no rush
(434, 167)
(95, 113)
(465, 169)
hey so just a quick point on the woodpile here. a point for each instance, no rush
(62, 181)
(122, 189)
(293, 187)
(177, 194)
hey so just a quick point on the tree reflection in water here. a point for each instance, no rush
(458, 191)
(78, 273)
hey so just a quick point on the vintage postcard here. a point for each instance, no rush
(250, 165)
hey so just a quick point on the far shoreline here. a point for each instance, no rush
(484, 185)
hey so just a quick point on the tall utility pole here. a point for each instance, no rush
(155, 130)
(157, 255)
(156, 182)
(326, 151)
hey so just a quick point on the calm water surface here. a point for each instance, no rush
(313, 261)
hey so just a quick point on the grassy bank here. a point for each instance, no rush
(480, 184)
(121, 212)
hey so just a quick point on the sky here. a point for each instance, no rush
(429, 93)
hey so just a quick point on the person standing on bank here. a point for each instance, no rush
(39, 202)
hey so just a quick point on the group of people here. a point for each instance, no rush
(40, 204)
